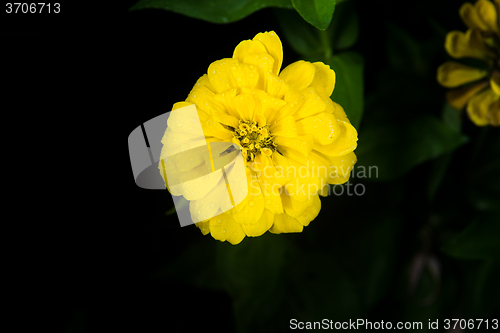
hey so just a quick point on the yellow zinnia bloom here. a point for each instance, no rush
(293, 138)
(476, 88)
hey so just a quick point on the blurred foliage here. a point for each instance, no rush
(316, 12)
(417, 140)
(215, 11)
(314, 45)
(422, 242)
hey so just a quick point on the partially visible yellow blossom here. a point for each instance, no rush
(475, 88)
(294, 139)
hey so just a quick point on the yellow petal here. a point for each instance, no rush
(195, 184)
(204, 81)
(469, 15)
(264, 166)
(204, 226)
(479, 107)
(311, 212)
(341, 168)
(302, 143)
(495, 82)
(345, 143)
(301, 184)
(294, 101)
(248, 47)
(324, 79)
(337, 110)
(223, 227)
(285, 127)
(271, 188)
(312, 105)
(245, 105)
(207, 207)
(285, 224)
(458, 97)
(324, 190)
(292, 207)
(235, 233)
(207, 102)
(174, 142)
(299, 74)
(263, 62)
(228, 73)
(320, 166)
(487, 13)
(452, 74)
(497, 6)
(274, 85)
(265, 222)
(179, 105)
(469, 44)
(267, 105)
(220, 76)
(273, 46)
(324, 127)
(254, 53)
(204, 99)
(225, 101)
(252, 207)
(494, 113)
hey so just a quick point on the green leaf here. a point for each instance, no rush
(317, 12)
(405, 53)
(396, 146)
(313, 44)
(215, 11)
(345, 26)
(479, 240)
(437, 173)
(348, 92)
(301, 36)
(453, 120)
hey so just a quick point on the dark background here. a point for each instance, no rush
(93, 73)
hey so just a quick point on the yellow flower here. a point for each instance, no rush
(478, 89)
(293, 138)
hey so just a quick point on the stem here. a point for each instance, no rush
(326, 44)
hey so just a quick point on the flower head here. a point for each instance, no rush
(479, 89)
(293, 138)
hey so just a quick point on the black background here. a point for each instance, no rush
(86, 78)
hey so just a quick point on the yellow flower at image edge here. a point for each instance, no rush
(293, 138)
(479, 89)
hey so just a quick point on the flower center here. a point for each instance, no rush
(254, 139)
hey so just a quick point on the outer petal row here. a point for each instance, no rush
(482, 15)
(469, 44)
(484, 108)
(452, 74)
